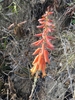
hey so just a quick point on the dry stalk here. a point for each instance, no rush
(34, 85)
(66, 58)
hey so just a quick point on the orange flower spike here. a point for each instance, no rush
(46, 56)
(39, 63)
(36, 51)
(36, 59)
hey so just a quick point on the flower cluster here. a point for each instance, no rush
(42, 54)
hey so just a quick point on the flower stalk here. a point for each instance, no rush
(42, 53)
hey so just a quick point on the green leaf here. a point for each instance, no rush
(13, 7)
(73, 21)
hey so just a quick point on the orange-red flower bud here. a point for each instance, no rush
(41, 19)
(40, 58)
(49, 45)
(40, 26)
(50, 13)
(46, 56)
(49, 30)
(37, 42)
(36, 51)
(36, 59)
(38, 35)
(43, 47)
(51, 37)
(42, 22)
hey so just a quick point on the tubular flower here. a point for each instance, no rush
(36, 51)
(39, 65)
(42, 54)
(34, 69)
(46, 53)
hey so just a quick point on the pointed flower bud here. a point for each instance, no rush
(40, 26)
(36, 51)
(49, 44)
(38, 35)
(37, 42)
(46, 56)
